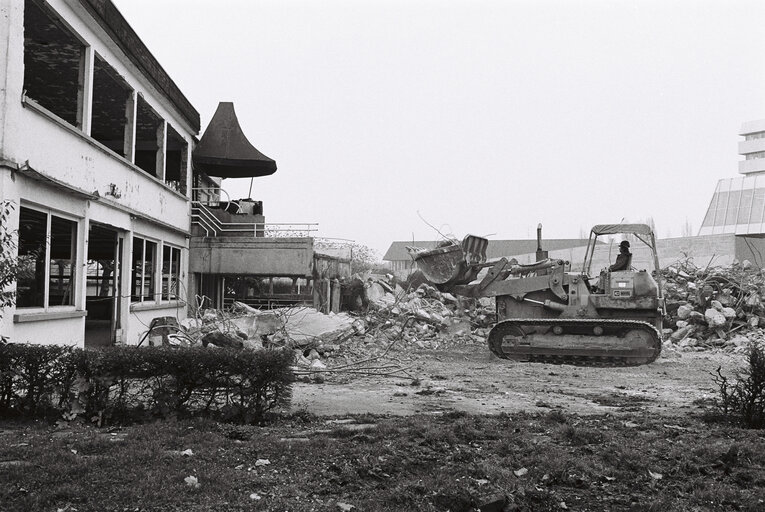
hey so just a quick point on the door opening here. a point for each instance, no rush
(103, 285)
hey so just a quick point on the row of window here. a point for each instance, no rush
(55, 77)
(47, 244)
(143, 271)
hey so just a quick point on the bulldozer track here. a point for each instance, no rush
(612, 329)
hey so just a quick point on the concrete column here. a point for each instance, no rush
(9, 191)
(161, 146)
(85, 91)
(131, 112)
(316, 295)
(81, 261)
(123, 293)
(327, 289)
(11, 75)
(335, 298)
(186, 170)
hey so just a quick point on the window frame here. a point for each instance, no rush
(179, 250)
(74, 275)
(155, 292)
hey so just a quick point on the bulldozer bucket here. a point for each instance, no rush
(453, 263)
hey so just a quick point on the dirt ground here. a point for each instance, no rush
(471, 379)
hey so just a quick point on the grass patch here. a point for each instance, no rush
(430, 463)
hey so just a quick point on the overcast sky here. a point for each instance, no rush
(486, 117)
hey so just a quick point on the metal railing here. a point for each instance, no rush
(213, 226)
(214, 199)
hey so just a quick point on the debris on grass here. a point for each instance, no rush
(192, 481)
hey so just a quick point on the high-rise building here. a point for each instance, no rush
(738, 204)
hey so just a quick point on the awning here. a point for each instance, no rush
(615, 229)
(225, 152)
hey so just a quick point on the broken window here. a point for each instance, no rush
(149, 137)
(111, 95)
(53, 58)
(175, 161)
(47, 249)
(171, 272)
(144, 255)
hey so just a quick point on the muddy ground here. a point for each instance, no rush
(469, 378)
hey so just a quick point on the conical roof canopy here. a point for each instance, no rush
(225, 152)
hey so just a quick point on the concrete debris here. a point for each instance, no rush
(714, 307)
(397, 316)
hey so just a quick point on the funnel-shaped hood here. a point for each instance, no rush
(225, 152)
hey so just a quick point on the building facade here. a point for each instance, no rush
(95, 159)
(738, 204)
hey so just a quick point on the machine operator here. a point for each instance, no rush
(624, 257)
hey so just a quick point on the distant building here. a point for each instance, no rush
(738, 204)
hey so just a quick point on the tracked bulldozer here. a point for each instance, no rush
(546, 313)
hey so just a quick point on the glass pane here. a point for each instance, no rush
(63, 234)
(148, 270)
(137, 272)
(30, 287)
(745, 208)
(722, 203)
(757, 205)
(710, 216)
(171, 264)
(175, 271)
(732, 214)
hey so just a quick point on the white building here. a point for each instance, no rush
(738, 204)
(95, 153)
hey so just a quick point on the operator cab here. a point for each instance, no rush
(628, 282)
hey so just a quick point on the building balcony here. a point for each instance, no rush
(751, 146)
(752, 127)
(751, 166)
(227, 240)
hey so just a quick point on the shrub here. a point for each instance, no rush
(8, 260)
(111, 384)
(743, 400)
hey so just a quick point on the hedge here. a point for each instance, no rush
(118, 383)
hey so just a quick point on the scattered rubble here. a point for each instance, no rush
(397, 317)
(713, 307)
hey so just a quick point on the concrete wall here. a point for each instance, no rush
(252, 256)
(751, 248)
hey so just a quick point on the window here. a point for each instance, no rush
(111, 99)
(52, 63)
(176, 161)
(144, 256)
(47, 254)
(149, 138)
(171, 272)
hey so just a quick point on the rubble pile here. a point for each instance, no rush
(424, 317)
(396, 318)
(713, 307)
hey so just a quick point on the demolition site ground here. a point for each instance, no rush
(463, 431)
(470, 379)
